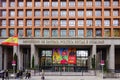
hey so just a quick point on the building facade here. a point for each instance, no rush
(90, 27)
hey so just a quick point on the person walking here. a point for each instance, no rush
(6, 75)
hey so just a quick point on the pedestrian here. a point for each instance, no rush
(29, 75)
(43, 75)
(3, 73)
(17, 75)
(21, 74)
(6, 75)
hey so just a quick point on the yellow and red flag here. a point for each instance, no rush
(11, 41)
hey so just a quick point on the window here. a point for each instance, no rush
(80, 33)
(63, 22)
(54, 13)
(3, 4)
(20, 32)
(80, 2)
(63, 3)
(20, 13)
(46, 33)
(115, 22)
(12, 3)
(115, 2)
(89, 23)
(37, 23)
(11, 32)
(12, 23)
(107, 13)
(29, 12)
(106, 32)
(28, 32)
(71, 22)
(115, 12)
(37, 3)
(55, 3)
(88, 3)
(98, 32)
(37, 33)
(46, 22)
(71, 12)
(116, 32)
(20, 3)
(46, 12)
(71, 3)
(46, 3)
(63, 13)
(98, 13)
(20, 22)
(3, 33)
(3, 13)
(29, 22)
(3, 23)
(63, 33)
(12, 13)
(89, 33)
(107, 3)
(98, 3)
(106, 22)
(81, 13)
(55, 23)
(98, 23)
(80, 22)
(29, 3)
(89, 13)
(54, 33)
(37, 13)
(72, 33)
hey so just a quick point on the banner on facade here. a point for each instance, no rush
(72, 56)
(64, 56)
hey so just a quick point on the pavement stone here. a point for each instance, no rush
(68, 78)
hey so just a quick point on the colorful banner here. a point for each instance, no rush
(64, 56)
(72, 56)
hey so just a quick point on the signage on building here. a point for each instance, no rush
(102, 62)
(62, 41)
(13, 63)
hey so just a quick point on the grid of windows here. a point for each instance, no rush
(60, 18)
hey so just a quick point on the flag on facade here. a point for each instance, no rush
(11, 41)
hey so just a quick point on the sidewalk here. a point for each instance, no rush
(68, 78)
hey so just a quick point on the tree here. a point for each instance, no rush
(93, 62)
(15, 57)
(33, 61)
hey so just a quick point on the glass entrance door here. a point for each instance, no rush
(46, 60)
(82, 60)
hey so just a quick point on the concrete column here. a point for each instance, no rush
(15, 50)
(36, 57)
(20, 59)
(111, 61)
(32, 53)
(1, 53)
(93, 52)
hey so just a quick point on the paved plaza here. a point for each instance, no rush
(68, 78)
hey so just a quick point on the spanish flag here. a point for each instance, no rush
(11, 41)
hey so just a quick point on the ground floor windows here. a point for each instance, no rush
(63, 59)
